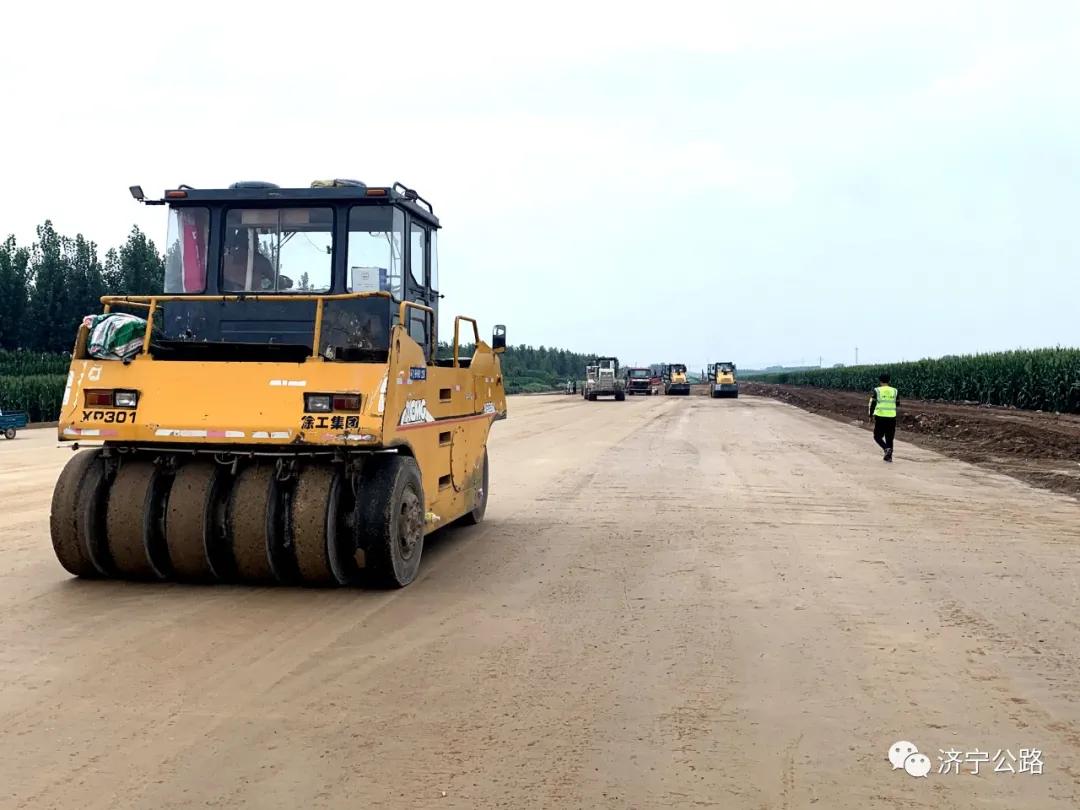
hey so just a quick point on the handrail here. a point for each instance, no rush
(151, 302)
(475, 329)
(166, 297)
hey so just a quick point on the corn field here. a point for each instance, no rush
(39, 395)
(25, 364)
(33, 382)
(1037, 379)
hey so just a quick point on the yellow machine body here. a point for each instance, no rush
(724, 383)
(440, 416)
(677, 383)
(268, 435)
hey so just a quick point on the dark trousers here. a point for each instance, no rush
(884, 431)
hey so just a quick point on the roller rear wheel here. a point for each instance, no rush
(254, 525)
(392, 520)
(192, 534)
(68, 535)
(476, 514)
(321, 527)
(134, 528)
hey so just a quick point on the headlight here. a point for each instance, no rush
(328, 403)
(126, 399)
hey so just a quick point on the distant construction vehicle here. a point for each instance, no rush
(264, 428)
(602, 380)
(723, 383)
(638, 381)
(675, 380)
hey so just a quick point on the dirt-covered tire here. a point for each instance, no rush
(9, 433)
(133, 521)
(620, 397)
(68, 539)
(193, 540)
(391, 528)
(476, 514)
(321, 528)
(254, 522)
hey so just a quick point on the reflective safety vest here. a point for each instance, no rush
(886, 401)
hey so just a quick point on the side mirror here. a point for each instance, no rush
(498, 339)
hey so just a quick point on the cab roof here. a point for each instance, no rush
(335, 191)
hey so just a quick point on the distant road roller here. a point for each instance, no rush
(281, 414)
(723, 383)
(675, 380)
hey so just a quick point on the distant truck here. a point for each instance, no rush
(723, 382)
(675, 381)
(11, 421)
(602, 380)
(638, 381)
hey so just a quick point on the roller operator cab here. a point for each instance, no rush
(278, 413)
(676, 382)
(724, 383)
(603, 380)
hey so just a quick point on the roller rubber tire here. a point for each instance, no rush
(254, 524)
(69, 542)
(191, 535)
(392, 520)
(476, 514)
(133, 527)
(317, 523)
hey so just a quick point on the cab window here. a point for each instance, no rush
(417, 252)
(434, 252)
(278, 250)
(185, 250)
(375, 250)
(419, 321)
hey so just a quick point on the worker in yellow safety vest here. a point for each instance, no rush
(883, 409)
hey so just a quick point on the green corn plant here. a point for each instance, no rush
(39, 395)
(1033, 379)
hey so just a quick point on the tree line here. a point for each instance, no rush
(528, 369)
(47, 288)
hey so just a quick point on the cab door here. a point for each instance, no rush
(418, 284)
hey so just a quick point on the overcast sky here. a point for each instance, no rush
(760, 182)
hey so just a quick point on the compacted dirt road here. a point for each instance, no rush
(1037, 447)
(673, 602)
